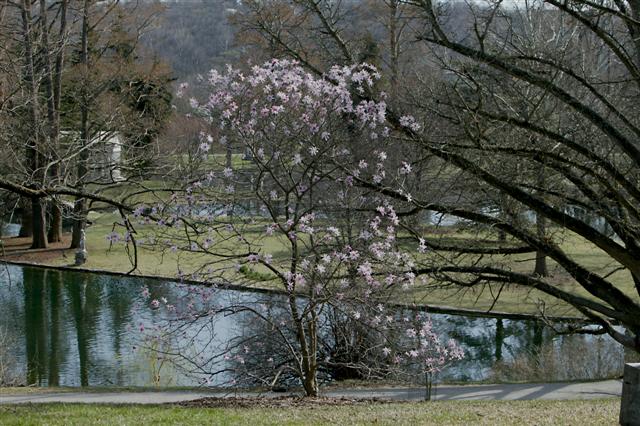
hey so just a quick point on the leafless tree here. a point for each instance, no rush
(74, 90)
(557, 79)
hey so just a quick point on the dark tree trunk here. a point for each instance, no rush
(55, 231)
(394, 48)
(541, 257)
(538, 338)
(39, 224)
(26, 228)
(80, 205)
(79, 222)
(499, 339)
(541, 265)
(311, 384)
(35, 139)
(541, 230)
(48, 82)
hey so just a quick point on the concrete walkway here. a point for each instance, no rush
(588, 390)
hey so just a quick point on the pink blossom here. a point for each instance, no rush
(422, 248)
(410, 122)
(405, 169)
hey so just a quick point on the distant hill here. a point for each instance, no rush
(193, 35)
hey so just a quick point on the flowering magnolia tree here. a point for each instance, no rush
(293, 219)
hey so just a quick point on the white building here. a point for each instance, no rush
(105, 154)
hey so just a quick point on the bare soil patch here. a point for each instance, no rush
(18, 249)
(279, 402)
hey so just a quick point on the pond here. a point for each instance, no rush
(62, 328)
(9, 229)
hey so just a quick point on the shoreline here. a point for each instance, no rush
(436, 309)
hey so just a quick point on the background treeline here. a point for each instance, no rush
(194, 35)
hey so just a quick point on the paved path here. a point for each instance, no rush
(589, 390)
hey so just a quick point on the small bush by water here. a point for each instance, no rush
(7, 367)
(564, 360)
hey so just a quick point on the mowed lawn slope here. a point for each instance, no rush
(583, 413)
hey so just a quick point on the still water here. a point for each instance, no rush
(60, 328)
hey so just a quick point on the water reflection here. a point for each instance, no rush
(35, 327)
(76, 329)
(9, 229)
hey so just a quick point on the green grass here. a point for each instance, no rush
(596, 412)
(156, 189)
(165, 263)
(28, 390)
(516, 298)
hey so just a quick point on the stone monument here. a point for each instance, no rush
(630, 405)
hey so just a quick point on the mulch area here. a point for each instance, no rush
(279, 402)
(18, 250)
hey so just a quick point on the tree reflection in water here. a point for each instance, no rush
(72, 329)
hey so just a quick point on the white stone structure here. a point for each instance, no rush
(105, 154)
(630, 403)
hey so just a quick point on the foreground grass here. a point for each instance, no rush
(596, 412)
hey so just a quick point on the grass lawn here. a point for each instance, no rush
(595, 412)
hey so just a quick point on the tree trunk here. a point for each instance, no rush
(80, 205)
(541, 258)
(538, 338)
(56, 220)
(26, 228)
(541, 231)
(394, 50)
(79, 221)
(49, 81)
(35, 139)
(541, 265)
(55, 231)
(499, 339)
(39, 224)
(311, 384)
